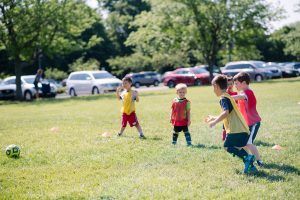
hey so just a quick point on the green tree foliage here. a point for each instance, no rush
(53, 73)
(80, 65)
(292, 41)
(53, 26)
(198, 29)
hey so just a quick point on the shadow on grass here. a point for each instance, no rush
(267, 176)
(264, 144)
(284, 168)
(203, 146)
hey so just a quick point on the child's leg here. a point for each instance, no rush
(241, 153)
(139, 128)
(252, 148)
(187, 135)
(121, 131)
(175, 137)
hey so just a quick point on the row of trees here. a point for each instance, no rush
(134, 35)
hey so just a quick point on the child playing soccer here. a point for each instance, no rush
(234, 123)
(231, 93)
(180, 115)
(128, 96)
(247, 105)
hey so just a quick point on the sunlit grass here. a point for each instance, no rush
(64, 156)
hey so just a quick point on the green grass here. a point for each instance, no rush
(76, 162)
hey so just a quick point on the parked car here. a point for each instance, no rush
(274, 69)
(288, 70)
(145, 78)
(8, 88)
(216, 69)
(91, 82)
(294, 65)
(255, 69)
(190, 76)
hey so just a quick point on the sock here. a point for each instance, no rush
(175, 136)
(188, 138)
(240, 153)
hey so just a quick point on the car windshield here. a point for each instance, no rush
(29, 80)
(102, 75)
(259, 64)
(199, 70)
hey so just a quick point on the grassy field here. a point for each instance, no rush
(65, 156)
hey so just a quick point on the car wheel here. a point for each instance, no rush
(72, 92)
(28, 96)
(258, 78)
(171, 84)
(198, 82)
(156, 83)
(95, 90)
(137, 85)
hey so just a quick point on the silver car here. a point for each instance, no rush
(254, 68)
(91, 82)
(8, 88)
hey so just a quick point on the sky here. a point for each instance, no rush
(290, 6)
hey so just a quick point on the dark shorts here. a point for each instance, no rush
(253, 132)
(178, 129)
(131, 119)
(36, 87)
(236, 140)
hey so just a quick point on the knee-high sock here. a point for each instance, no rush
(235, 151)
(188, 138)
(175, 136)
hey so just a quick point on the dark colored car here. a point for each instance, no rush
(289, 70)
(144, 78)
(190, 76)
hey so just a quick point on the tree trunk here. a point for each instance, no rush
(18, 72)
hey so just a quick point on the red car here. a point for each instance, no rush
(189, 76)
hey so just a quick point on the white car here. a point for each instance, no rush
(8, 88)
(91, 82)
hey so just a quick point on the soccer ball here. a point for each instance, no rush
(13, 151)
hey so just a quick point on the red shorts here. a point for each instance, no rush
(131, 119)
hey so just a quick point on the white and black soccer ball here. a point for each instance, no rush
(13, 151)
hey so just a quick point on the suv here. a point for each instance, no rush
(91, 82)
(8, 88)
(144, 78)
(255, 69)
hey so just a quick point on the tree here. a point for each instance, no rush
(29, 26)
(198, 29)
(292, 41)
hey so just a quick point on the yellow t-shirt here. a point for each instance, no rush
(128, 102)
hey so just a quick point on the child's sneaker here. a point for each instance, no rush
(142, 137)
(253, 169)
(119, 134)
(248, 163)
(260, 163)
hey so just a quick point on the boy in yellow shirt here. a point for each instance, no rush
(235, 125)
(128, 96)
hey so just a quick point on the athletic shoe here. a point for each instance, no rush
(119, 134)
(248, 163)
(142, 137)
(260, 163)
(253, 169)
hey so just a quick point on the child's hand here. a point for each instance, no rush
(209, 118)
(119, 88)
(211, 124)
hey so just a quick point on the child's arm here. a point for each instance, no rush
(188, 115)
(239, 97)
(136, 96)
(118, 93)
(212, 121)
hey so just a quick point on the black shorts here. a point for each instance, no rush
(236, 140)
(178, 129)
(36, 87)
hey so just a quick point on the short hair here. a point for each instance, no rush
(221, 81)
(128, 79)
(242, 76)
(181, 86)
(229, 78)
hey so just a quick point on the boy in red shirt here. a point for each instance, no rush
(180, 115)
(247, 105)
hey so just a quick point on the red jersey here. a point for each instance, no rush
(248, 108)
(231, 93)
(179, 112)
